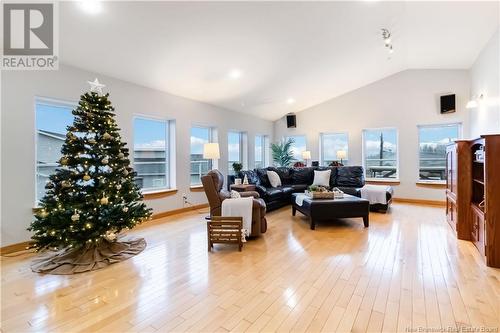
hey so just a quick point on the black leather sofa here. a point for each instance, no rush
(349, 179)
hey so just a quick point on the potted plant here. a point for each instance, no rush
(282, 152)
(237, 168)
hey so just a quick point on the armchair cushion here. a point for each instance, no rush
(245, 194)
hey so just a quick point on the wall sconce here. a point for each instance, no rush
(474, 102)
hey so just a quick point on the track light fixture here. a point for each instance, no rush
(386, 36)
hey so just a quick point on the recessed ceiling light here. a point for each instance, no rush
(91, 6)
(235, 73)
(290, 101)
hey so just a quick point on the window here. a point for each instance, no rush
(432, 141)
(234, 150)
(52, 118)
(151, 153)
(330, 145)
(298, 146)
(261, 151)
(199, 166)
(380, 153)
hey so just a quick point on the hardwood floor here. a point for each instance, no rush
(406, 271)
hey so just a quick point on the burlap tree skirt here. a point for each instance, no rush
(88, 258)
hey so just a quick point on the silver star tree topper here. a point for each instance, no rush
(96, 86)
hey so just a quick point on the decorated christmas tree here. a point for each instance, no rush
(91, 197)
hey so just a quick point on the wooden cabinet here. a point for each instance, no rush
(473, 194)
(457, 192)
(477, 228)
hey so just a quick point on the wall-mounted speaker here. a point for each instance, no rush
(448, 103)
(291, 121)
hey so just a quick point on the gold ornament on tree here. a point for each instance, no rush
(104, 200)
(63, 160)
(105, 160)
(75, 217)
(86, 177)
(106, 136)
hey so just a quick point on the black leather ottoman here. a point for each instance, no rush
(327, 209)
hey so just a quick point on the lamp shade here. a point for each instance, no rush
(211, 151)
(341, 154)
(306, 155)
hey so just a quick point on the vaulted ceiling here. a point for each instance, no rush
(254, 57)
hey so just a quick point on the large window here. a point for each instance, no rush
(298, 146)
(52, 118)
(151, 153)
(261, 151)
(380, 153)
(334, 146)
(432, 142)
(199, 165)
(234, 150)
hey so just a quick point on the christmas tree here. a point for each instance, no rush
(92, 196)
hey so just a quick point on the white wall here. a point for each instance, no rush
(485, 76)
(68, 83)
(403, 100)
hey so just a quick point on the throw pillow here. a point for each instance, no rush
(322, 178)
(274, 178)
(235, 194)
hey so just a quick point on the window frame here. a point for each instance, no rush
(211, 139)
(321, 146)
(263, 141)
(363, 153)
(241, 152)
(168, 152)
(460, 135)
(49, 102)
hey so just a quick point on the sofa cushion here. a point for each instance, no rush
(302, 176)
(350, 176)
(285, 175)
(287, 191)
(262, 174)
(333, 174)
(273, 194)
(253, 177)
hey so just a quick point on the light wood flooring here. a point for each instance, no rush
(405, 272)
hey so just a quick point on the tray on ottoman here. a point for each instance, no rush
(328, 209)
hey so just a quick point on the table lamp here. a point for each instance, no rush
(211, 151)
(306, 155)
(341, 154)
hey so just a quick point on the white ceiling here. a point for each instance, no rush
(310, 52)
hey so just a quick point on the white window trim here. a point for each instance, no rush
(460, 135)
(321, 146)
(212, 138)
(169, 153)
(265, 158)
(49, 102)
(243, 142)
(382, 180)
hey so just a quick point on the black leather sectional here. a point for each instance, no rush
(349, 179)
